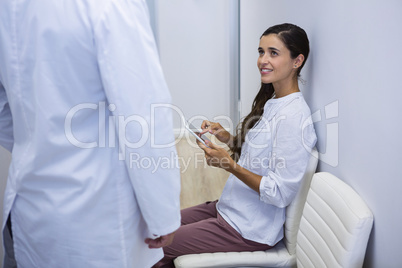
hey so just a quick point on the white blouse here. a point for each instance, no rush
(278, 148)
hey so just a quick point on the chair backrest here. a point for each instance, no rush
(295, 209)
(335, 225)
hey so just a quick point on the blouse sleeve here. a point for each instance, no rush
(134, 84)
(6, 123)
(293, 141)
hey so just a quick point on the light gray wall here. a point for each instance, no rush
(353, 81)
(194, 41)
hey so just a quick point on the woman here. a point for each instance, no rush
(272, 150)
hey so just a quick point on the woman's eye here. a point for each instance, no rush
(273, 53)
(260, 52)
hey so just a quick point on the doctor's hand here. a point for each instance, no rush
(160, 242)
(217, 156)
(217, 130)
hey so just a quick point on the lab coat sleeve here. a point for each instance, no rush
(6, 123)
(293, 141)
(136, 89)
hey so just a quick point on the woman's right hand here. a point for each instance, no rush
(217, 130)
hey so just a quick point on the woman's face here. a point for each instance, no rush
(274, 61)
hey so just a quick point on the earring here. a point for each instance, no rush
(295, 66)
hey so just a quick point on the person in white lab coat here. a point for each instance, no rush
(81, 109)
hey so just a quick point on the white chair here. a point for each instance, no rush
(282, 255)
(333, 232)
(335, 226)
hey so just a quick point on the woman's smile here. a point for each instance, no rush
(265, 71)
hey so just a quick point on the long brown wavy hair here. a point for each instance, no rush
(296, 40)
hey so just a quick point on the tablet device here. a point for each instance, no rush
(196, 132)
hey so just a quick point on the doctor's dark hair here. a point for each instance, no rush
(296, 40)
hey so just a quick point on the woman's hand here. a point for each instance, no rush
(217, 130)
(160, 242)
(217, 156)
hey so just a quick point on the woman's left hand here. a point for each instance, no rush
(217, 156)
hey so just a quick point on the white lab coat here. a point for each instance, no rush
(94, 168)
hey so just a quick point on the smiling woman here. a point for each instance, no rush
(250, 213)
